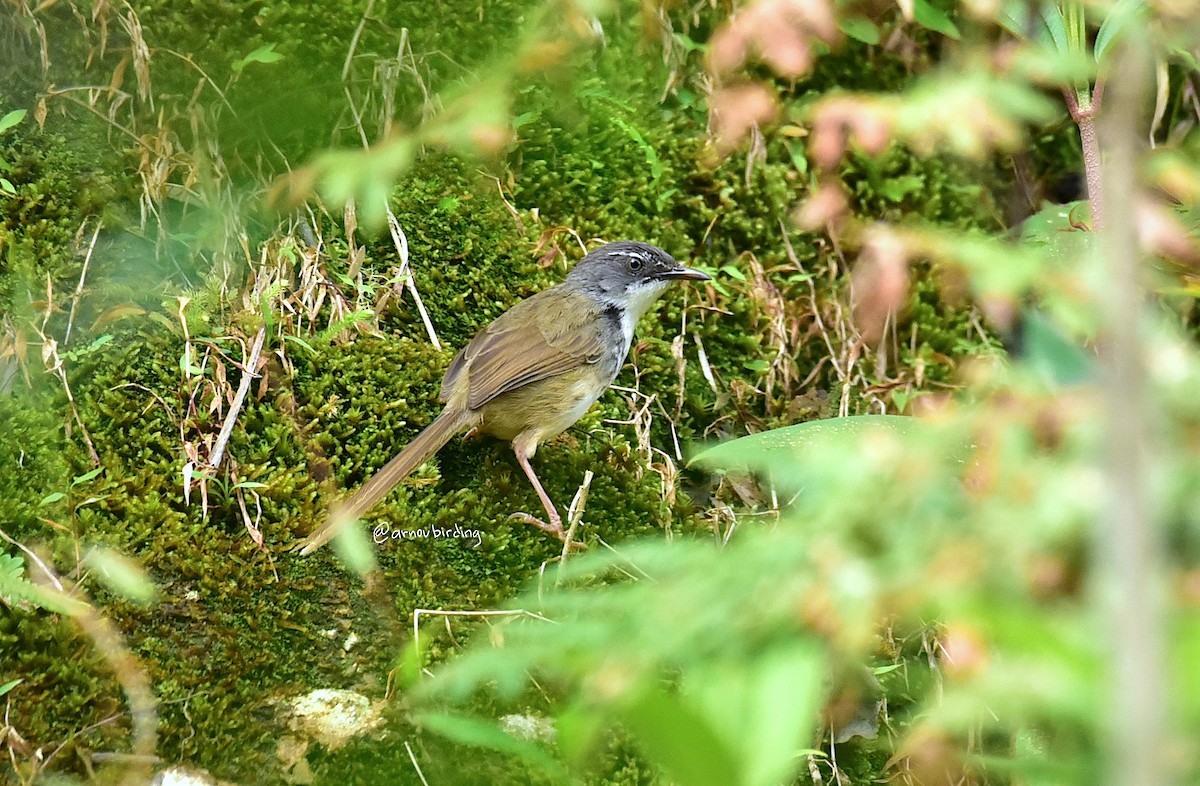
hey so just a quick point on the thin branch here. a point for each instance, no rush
(79, 287)
(248, 374)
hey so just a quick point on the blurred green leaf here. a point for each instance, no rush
(264, 54)
(792, 443)
(681, 740)
(1052, 355)
(353, 547)
(1123, 15)
(122, 576)
(85, 477)
(16, 589)
(485, 734)
(860, 28)
(932, 18)
(10, 119)
(763, 708)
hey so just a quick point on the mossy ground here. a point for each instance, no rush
(238, 627)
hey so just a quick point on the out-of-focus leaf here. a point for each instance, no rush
(681, 740)
(122, 575)
(1052, 355)
(1055, 24)
(116, 313)
(929, 17)
(792, 442)
(996, 266)
(1062, 231)
(353, 548)
(15, 589)
(860, 28)
(1052, 219)
(6, 687)
(763, 709)
(485, 734)
(1123, 15)
(10, 119)
(264, 54)
(970, 113)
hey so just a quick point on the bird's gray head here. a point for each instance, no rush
(629, 275)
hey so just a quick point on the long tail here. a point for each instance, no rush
(415, 454)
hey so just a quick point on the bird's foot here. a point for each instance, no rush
(471, 434)
(554, 527)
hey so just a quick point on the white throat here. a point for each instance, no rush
(638, 300)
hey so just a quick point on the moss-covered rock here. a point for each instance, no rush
(604, 156)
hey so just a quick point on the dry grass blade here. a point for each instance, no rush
(575, 515)
(416, 626)
(79, 287)
(401, 241)
(249, 372)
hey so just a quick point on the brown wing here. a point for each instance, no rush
(540, 337)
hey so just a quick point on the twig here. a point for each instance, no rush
(248, 374)
(575, 516)
(206, 77)
(79, 287)
(412, 757)
(401, 241)
(362, 23)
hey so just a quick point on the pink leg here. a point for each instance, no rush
(555, 525)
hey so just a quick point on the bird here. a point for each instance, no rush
(534, 371)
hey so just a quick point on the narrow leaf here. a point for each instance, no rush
(929, 17)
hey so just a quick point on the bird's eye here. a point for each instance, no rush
(635, 264)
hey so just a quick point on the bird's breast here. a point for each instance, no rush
(548, 407)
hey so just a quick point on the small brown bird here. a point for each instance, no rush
(534, 371)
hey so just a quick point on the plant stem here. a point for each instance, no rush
(1083, 108)
(1129, 547)
(1091, 168)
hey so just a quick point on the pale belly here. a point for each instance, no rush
(544, 409)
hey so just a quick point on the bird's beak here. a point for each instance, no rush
(682, 273)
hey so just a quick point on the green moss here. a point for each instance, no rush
(31, 461)
(469, 260)
(57, 189)
(66, 684)
(239, 627)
